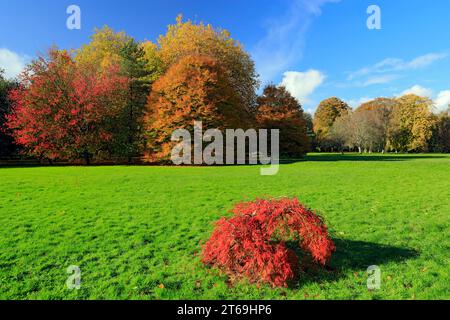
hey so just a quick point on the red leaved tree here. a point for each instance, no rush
(64, 111)
(252, 243)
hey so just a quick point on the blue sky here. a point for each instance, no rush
(317, 48)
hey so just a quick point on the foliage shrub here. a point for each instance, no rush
(253, 243)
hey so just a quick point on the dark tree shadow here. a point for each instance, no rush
(371, 157)
(325, 157)
(354, 256)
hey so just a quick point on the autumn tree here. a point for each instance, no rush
(440, 139)
(362, 129)
(103, 50)
(66, 111)
(327, 113)
(196, 88)
(367, 132)
(188, 38)
(380, 111)
(108, 48)
(7, 145)
(278, 109)
(342, 131)
(155, 65)
(412, 124)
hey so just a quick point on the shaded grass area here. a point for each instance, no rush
(136, 232)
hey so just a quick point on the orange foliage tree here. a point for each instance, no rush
(188, 38)
(328, 111)
(196, 88)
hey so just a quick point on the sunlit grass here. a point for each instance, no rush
(136, 232)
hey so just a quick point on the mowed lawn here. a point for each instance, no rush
(136, 232)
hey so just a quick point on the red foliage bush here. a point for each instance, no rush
(252, 243)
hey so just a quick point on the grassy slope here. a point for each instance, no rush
(136, 231)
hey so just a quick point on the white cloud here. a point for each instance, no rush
(11, 62)
(418, 90)
(396, 65)
(424, 61)
(302, 84)
(379, 80)
(442, 100)
(285, 38)
(356, 103)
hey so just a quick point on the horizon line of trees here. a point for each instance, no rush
(403, 124)
(119, 99)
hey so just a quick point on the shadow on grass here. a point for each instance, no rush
(354, 256)
(358, 157)
(317, 157)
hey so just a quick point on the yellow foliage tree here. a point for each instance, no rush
(412, 124)
(186, 38)
(104, 48)
(108, 48)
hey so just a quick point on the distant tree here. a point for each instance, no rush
(278, 109)
(342, 131)
(360, 129)
(380, 111)
(309, 123)
(310, 130)
(367, 131)
(7, 146)
(196, 88)
(66, 111)
(327, 112)
(440, 140)
(187, 38)
(412, 124)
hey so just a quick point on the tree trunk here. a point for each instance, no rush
(87, 159)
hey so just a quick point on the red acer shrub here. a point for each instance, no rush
(252, 243)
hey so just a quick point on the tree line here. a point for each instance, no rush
(402, 124)
(119, 99)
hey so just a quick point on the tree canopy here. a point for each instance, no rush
(66, 111)
(121, 99)
(412, 123)
(7, 145)
(188, 38)
(327, 113)
(278, 109)
(196, 88)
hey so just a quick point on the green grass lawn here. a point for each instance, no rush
(136, 232)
